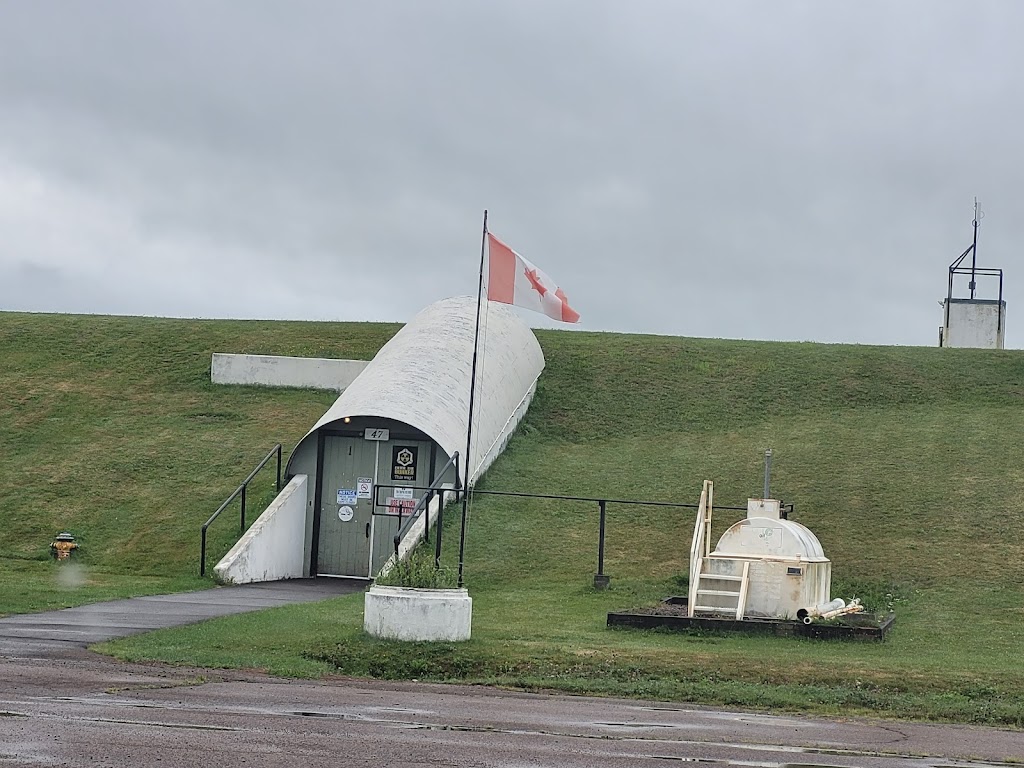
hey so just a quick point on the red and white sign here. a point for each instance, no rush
(403, 507)
(512, 279)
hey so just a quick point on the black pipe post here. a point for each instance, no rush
(600, 580)
(278, 467)
(440, 510)
(437, 535)
(242, 529)
(202, 554)
(999, 321)
(426, 516)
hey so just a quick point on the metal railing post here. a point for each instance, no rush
(278, 467)
(437, 535)
(202, 554)
(242, 527)
(600, 580)
(426, 516)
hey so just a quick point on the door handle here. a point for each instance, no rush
(367, 530)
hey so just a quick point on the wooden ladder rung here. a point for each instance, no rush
(717, 592)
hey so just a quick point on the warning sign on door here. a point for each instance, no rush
(403, 462)
(364, 487)
(403, 507)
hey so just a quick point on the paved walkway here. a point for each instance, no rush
(53, 632)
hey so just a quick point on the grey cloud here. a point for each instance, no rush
(783, 170)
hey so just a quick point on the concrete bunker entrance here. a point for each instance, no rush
(352, 533)
(394, 429)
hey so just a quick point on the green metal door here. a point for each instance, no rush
(346, 520)
(404, 463)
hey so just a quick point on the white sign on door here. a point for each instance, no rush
(346, 495)
(402, 493)
(364, 487)
(377, 434)
(345, 514)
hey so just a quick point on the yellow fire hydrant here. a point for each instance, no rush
(63, 545)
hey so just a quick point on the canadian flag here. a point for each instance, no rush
(512, 279)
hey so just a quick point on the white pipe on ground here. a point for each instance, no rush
(805, 614)
(853, 607)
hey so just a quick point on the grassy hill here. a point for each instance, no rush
(111, 429)
(903, 461)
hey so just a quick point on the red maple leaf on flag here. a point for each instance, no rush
(539, 293)
(531, 275)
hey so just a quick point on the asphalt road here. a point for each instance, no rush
(63, 705)
(85, 710)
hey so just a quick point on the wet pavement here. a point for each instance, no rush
(61, 704)
(53, 632)
(95, 712)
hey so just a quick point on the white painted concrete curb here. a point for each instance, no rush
(404, 613)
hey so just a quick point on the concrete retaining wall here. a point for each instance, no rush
(275, 371)
(272, 548)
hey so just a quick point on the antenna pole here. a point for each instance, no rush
(974, 249)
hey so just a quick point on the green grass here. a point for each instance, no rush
(112, 430)
(903, 461)
(36, 585)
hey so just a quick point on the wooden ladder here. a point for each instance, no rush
(734, 587)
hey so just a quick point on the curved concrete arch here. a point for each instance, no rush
(420, 378)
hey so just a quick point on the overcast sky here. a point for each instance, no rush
(764, 170)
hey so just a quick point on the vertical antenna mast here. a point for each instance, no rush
(974, 248)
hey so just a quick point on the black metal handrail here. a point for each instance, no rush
(423, 505)
(240, 490)
(600, 578)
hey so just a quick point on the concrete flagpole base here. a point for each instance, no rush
(405, 613)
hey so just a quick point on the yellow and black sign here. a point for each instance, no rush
(403, 462)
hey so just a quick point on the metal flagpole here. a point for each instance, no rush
(472, 396)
